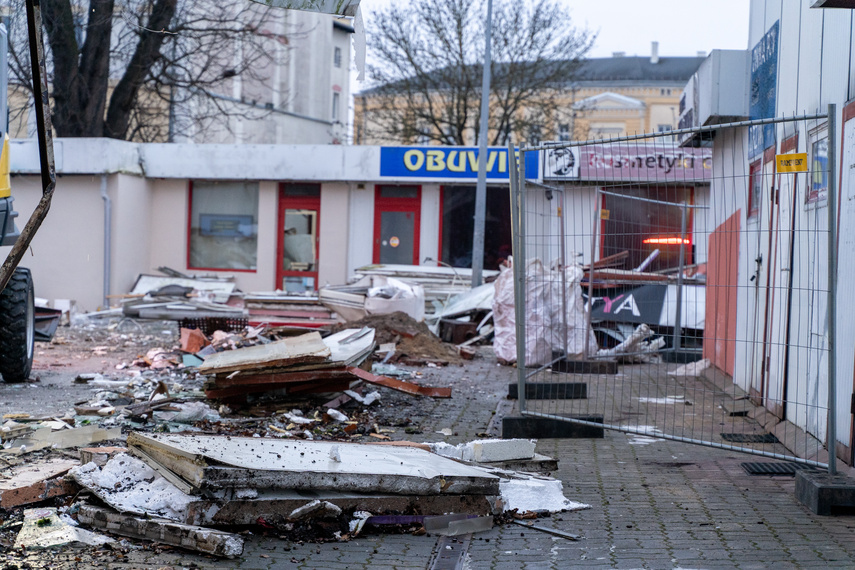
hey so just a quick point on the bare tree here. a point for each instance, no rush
(427, 65)
(130, 69)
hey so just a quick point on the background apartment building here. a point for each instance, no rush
(606, 97)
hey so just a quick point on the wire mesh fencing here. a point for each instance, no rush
(681, 292)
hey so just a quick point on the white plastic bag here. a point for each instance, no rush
(504, 318)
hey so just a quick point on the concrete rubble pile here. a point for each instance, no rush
(201, 492)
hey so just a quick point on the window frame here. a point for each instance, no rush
(755, 195)
(816, 198)
(337, 57)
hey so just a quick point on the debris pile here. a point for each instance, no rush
(413, 342)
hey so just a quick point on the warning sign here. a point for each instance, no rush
(394, 241)
(792, 162)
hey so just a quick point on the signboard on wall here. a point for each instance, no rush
(762, 91)
(629, 162)
(456, 163)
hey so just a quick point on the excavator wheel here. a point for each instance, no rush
(17, 327)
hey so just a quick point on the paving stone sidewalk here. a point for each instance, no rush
(654, 504)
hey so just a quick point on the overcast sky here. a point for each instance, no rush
(682, 27)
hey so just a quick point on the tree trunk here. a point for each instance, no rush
(59, 23)
(145, 56)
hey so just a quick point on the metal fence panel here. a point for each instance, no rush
(701, 275)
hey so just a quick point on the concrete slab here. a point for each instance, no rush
(30, 483)
(586, 367)
(548, 428)
(215, 462)
(550, 390)
(207, 540)
(825, 494)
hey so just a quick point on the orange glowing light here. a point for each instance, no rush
(668, 240)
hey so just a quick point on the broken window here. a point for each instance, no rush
(223, 225)
(817, 189)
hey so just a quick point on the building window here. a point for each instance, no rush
(665, 92)
(755, 189)
(817, 178)
(534, 135)
(564, 132)
(223, 225)
(335, 103)
(337, 57)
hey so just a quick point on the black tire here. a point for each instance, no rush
(17, 327)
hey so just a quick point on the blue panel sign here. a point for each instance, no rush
(448, 162)
(761, 100)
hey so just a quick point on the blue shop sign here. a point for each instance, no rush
(762, 98)
(449, 162)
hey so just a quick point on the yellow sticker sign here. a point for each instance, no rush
(604, 214)
(792, 162)
(394, 242)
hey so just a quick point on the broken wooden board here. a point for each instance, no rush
(399, 385)
(34, 482)
(220, 462)
(276, 506)
(304, 348)
(319, 382)
(347, 348)
(209, 541)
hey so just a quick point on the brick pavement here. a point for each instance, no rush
(660, 504)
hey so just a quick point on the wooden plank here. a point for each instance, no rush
(304, 348)
(399, 385)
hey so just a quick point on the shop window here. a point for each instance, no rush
(755, 189)
(458, 215)
(817, 179)
(223, 226)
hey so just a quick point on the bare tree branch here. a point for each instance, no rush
(427, 65)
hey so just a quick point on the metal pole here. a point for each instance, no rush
(678, 315)
(590, 309)
(481, 187)
(832, 289)
(520, 289)
(563, 267)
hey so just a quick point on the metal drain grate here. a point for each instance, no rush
(774, 468)
(749, 438)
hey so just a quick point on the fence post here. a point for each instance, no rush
(516, 172)
(832, 289)
(678, 315)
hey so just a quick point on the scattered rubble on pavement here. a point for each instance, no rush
(190, 434)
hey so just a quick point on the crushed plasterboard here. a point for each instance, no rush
(130, 485)
(43, 528)
(536, 494)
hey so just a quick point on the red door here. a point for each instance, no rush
(299, 237)
(397, 217)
